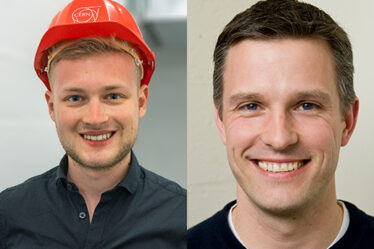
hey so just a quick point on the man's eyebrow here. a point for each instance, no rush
(109, 88)
(314, 95)
(80, 90)
(122, 89)
(73, 89)
(241, 97)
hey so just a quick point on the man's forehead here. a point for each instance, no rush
(95, 72)
(265, 57)
(262, 46)
(282, 66)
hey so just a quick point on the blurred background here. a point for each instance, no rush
(28, 141)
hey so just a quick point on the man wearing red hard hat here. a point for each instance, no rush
(96, 67)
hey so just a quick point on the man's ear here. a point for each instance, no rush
(49, 99)
(220, 125)
(350, 121)
(143, 97)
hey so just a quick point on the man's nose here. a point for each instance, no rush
(96, 113)
(279, 132)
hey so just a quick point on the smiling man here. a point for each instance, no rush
(96, 67)
(285, 104)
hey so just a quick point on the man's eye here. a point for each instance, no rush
(75, 98)
(308, 106)
(250, 106)
(114, 96)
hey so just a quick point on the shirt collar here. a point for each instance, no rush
(129, 182)
(62, 169)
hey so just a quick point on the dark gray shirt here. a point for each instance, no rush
(47, 211)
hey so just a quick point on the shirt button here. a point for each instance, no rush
(82, 215)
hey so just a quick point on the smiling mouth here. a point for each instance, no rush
(280, 167)
(101, 137)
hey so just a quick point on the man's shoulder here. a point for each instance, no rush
(360, 233)
(360, 218)
(213, 232)
(160, 183)
(163, 197)
(30, 188)
(160, 201)
(206, 227)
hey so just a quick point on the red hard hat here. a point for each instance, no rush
(84, 18)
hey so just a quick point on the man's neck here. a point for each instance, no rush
(93, 183)
(315, 227)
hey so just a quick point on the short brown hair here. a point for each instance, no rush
(82, 47)
(279, 19)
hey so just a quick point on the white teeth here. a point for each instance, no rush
(295, 165)
(98, 138)
(290, 167)
(276, 167)
(284, 167)
(270, 167)
(263, 165)
(279, 167)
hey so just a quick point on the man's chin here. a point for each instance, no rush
(98, 162)
(279, 204)
(97, 165)
(283, 207)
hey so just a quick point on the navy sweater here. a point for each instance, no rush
(215, 233)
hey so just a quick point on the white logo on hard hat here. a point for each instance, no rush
(86, 14)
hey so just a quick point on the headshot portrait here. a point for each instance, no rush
(94, 153)
(279, 125)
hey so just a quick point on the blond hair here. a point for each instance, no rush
(79, 48)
